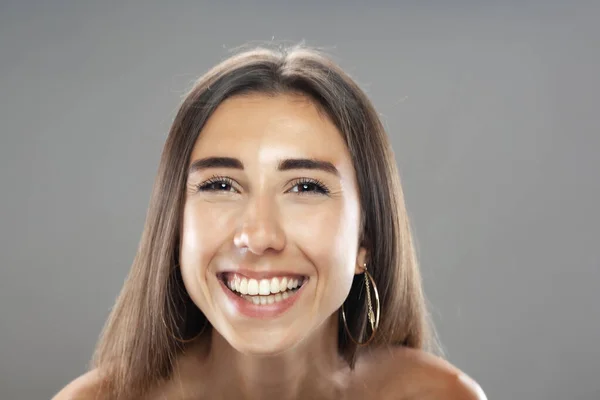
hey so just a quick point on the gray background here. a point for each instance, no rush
(492, 108)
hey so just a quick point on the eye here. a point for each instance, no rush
(216, 184)
(301, 186)
(308, 185)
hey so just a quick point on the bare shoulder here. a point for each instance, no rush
(434, 377)
(405, 373)
(85, 387)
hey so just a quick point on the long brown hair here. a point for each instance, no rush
(138, 345)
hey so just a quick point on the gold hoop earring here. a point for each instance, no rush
(373, 319)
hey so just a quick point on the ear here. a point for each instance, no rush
(361, 260)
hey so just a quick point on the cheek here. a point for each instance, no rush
(329, 237)
(193, 237)
(201, 235)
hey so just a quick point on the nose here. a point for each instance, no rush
(260, 229)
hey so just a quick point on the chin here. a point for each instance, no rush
(263, 342)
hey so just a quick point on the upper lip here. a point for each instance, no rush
(261, 274)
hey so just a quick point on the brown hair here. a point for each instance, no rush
(137, 347)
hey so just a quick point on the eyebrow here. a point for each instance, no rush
(283, 165)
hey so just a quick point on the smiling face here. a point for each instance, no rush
(271, 222)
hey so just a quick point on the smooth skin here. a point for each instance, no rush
(254, 212)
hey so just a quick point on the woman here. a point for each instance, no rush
(276, 260)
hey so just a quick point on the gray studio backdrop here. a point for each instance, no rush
(493, 112)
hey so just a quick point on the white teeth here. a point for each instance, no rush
(283, 285)
(264, 291)
(271, 299)
(252, 287)
(274, 285)
(264, 287)
(243, 286)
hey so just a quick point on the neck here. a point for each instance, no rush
(313, 368)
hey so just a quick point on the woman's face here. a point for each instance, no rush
(271, 222)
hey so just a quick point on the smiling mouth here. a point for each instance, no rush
(263, 291)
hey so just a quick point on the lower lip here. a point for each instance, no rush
(252, 310)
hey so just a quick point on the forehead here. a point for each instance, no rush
(271, 127)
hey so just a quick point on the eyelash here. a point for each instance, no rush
(321, 188)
